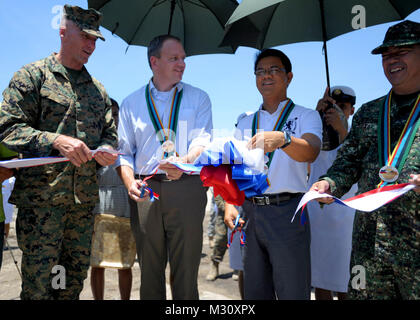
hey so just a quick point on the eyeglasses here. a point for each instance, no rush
(272, 71)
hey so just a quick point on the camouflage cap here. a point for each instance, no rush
(405, 33)
(87, 20)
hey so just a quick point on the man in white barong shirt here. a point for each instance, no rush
(277, 252)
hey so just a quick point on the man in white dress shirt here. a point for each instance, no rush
(165, 118)
(277, 252)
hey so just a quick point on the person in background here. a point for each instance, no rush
(5, 174)
(113, 200)
(220, 239)
(8, 208)
(235, 251)
(331, 226)
(211, 226)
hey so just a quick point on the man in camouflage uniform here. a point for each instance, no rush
(54, 107)
(220, 239)
(386, 241)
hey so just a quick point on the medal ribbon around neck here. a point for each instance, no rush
(398, 156)
(281, 120)
(173, 117)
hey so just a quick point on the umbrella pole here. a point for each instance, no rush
(324, 39)
(172, 14)
(326, 65)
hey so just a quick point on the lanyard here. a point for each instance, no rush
(398, 156)
(170, 132)
(281, 120)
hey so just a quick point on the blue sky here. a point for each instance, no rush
(27, 33)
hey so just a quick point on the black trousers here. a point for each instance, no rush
(277, 260)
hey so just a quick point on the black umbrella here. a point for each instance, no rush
(277, 22)
(198, 23)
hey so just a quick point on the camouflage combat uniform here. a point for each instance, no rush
(387, 241)
(55, 202)
(220, 236)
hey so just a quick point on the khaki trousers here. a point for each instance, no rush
(170, 229)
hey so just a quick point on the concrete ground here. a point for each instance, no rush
(223, 288)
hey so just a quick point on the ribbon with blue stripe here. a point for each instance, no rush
(399, 154)
(281, 120)
(173, 117)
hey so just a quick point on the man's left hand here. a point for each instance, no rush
(415, 179)
(172, 172)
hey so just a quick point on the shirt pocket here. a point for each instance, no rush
(91, 119)
(57, 112)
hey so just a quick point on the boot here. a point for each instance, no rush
(214, 271)
(235, 275)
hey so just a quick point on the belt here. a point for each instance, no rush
(164, 177)
(157, 177)
(273, 199)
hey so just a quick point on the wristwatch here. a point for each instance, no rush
(287, 139)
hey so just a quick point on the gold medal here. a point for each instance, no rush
(168, 146)
(388, 174)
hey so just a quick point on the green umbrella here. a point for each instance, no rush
(198, 23)
(288, 21)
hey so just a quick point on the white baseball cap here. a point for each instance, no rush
(343, 94)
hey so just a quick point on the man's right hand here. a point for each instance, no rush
(5, 174)
(135, 193)
(322, 187)
(323, 102)
(73, 149)
(230, 216)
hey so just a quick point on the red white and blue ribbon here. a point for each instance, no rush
(237, 229)
(367, 202)
(33, 162)
(144, 187)
(231, 169)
